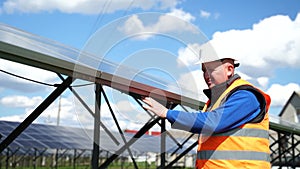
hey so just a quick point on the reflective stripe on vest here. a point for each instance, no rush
(246, 132)
(233, 155)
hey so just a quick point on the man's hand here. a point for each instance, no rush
(155, 107)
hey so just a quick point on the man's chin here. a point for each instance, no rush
(210, 86)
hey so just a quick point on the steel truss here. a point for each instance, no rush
(99, 91)
(284, 147)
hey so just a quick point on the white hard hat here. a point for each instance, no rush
(209, 53)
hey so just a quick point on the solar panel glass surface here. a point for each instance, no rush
(50, 55)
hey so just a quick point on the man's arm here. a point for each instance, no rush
(240, 108)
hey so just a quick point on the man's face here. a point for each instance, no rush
(214, 73)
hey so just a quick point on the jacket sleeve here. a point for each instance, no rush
(241, 107)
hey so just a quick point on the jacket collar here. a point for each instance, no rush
(214, 93)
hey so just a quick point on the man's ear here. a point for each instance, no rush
(230, 70)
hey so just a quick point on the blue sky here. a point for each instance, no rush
(264, 35)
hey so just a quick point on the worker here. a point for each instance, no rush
(233, 125)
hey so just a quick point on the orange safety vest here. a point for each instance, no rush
(244, 147)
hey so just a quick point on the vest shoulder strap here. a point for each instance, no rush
(241, 84)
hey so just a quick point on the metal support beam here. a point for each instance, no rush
(185, 141)
(96, 143)
(163, 143)
(91, 112)
(139, 134)
(182, 154)
(118, 126)
(19, 129)
(293, 152)
(152, 116)
(284, 151)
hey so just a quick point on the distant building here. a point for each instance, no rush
(291, 110)
(285, 147)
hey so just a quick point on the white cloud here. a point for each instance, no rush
(263, 82)
(15, 118)
(281, 93)
(73, 113)
(189, 55)
(191, 85)
(20, 101)
(165, 4)
(243, 75)
(83, 6)
(135, 26)
(207, 15)
(179, 13)
(65, 107)
(273, 42)
(204, 14)
(175, 21)
(15, 83)
(27, 71)
(29, 104)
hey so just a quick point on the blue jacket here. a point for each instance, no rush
(241, 107)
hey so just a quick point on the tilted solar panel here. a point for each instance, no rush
(22, 47)
(35, 138)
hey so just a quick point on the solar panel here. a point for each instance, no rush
(35, 137)
(29, 49)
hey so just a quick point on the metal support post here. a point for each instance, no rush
(163, 144)
(293, 152)
(34, 158)
(7, 158)
(95, 156)
(279, 149)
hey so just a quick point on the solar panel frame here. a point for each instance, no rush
(49, 55)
